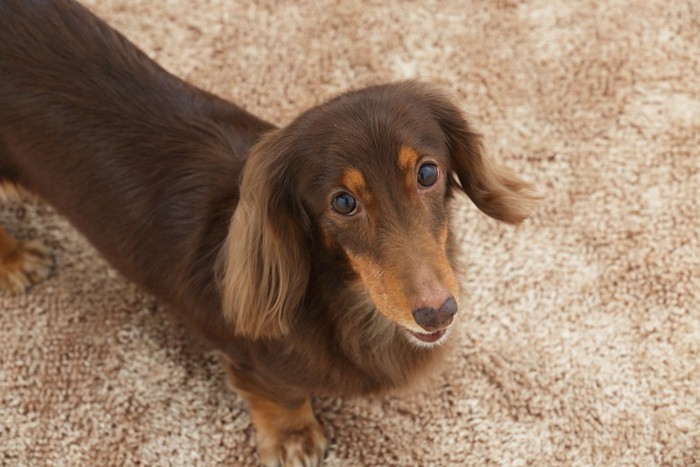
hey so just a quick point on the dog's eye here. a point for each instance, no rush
(344, 204)
(428, 175)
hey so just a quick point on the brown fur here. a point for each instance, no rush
(229, 219)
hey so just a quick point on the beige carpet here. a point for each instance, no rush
(580, 341)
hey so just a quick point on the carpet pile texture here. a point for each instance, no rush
(580, 330)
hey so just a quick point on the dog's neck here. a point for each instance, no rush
(369, 344)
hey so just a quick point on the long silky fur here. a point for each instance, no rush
(265, 263)
(494, 189)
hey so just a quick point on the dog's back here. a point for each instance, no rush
(105, 113)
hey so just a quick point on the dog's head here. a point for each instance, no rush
(368, 174)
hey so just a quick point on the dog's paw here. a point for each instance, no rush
(287, 432)
(304, 447)
(28, 263)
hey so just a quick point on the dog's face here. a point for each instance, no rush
(369, 175)
(378, 191)
(388, 213)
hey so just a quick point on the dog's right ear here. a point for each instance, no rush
(265, 262)
(495, 190)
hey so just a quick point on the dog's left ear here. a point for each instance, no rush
(264, 267)
(495, 190)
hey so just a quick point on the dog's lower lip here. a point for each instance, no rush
(431, 337)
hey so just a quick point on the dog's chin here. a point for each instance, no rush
(427, 339)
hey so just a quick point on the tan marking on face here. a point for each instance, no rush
(408, 158)
(385, 290)
(354, 181)
(442, 239)
(385, 282)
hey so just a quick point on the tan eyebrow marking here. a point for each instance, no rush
(354, 181)
(408, 157)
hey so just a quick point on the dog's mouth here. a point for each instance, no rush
(431, 338)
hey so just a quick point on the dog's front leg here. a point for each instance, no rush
(286, 436)
(288, 433)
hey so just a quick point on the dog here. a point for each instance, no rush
(316, 257)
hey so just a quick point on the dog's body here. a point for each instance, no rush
(315, 257)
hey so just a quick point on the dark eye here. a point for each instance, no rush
(427, 175)
(344, 204)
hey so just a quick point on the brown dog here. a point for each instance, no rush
(315, 257)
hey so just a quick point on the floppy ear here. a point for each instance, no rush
(265, 263)
(494, 189)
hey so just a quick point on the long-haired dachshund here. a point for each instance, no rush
(315, 257)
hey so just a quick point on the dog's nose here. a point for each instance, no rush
(432, 319)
